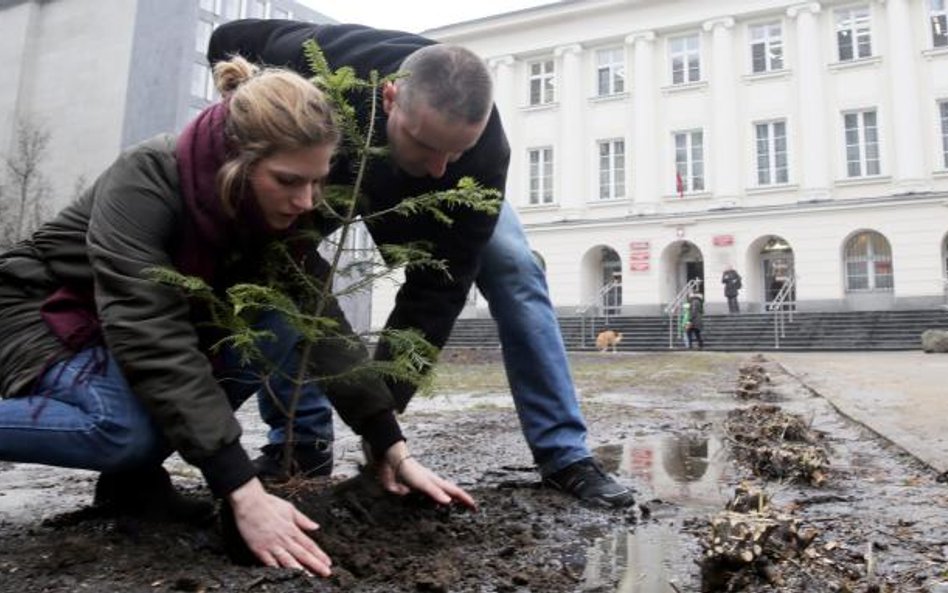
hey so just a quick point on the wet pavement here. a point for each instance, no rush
(656, 421)
(902, 396)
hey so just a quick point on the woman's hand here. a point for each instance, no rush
(274, 530)
(400, 473)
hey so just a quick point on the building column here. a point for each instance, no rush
(505, 98)
(811, 121)
(645, 164)
(908, 157)
(569, 156)
(725, 157)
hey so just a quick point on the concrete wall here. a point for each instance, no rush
(73, 79)
(160, 69)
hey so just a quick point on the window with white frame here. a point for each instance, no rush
(542, 83)
(611, 169)
(202, 82)
(610, 71)
(199, 73)
(766, 47)
(541, 175)
(689, 161)
(862, 143)
(257, 9)
(853, 33)
(938, 9)
(203, 38)
(868, 263)
(943, 111)
(771, 152)
(685, 56)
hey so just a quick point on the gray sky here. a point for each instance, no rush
(415, 15)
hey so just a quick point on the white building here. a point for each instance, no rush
(663, 141)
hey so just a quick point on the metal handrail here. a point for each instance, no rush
(596, 303)
(673, 307)
(780, 311)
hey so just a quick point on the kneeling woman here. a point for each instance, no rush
(103, 368)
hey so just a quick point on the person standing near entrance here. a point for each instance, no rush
(695, 320)
(732, 284)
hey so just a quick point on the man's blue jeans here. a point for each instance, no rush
(94, 421)
(534, 354)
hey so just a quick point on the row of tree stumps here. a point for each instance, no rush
(754, 544)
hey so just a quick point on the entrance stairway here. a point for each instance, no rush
(857, 330)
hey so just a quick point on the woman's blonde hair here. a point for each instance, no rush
(271, 110)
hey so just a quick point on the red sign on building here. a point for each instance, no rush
(723, 240)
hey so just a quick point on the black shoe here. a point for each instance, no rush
(310, 459)
(147, 493)
(589, 483)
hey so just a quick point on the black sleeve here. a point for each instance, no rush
(429, 300)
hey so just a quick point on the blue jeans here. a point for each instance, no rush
(534, 354)
(97, 423)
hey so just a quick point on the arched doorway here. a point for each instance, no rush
(690, 266)
(868, 259)
(601, 281)
(611, 282)
(777, 268)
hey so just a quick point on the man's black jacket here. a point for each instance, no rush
(429, 300)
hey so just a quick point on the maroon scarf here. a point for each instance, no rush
(201, 151)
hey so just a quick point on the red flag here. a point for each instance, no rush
(679, 184)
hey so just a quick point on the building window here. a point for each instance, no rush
(541, 82)
(862, 143)
(202, 82)
(610, 71)
(766, 47)
(203, 38)
(199, 73)
(868, 263)
(279, 13)
(938, 9)
(689, 161)
(771, 152)
(853, 33)
(257, 9)
(611, 169)
(684, 53)
(943, 108)
(230, 9)
(541, 175)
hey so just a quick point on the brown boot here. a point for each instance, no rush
(147, 493)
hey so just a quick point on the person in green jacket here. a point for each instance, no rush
(103, 368)
(684, 322)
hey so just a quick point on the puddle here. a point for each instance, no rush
(648, 560)
(680, 477)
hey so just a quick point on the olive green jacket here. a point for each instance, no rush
(130, 220)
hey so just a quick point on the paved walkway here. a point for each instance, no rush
(901, 395)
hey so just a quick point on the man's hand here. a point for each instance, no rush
(273, 529)
(400, 473)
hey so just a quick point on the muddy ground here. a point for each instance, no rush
(879, 521)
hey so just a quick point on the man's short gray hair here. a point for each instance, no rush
(450, 79)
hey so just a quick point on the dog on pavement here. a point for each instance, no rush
(608, 339)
